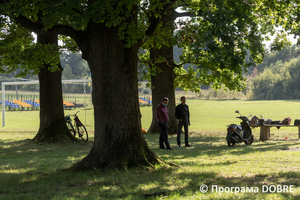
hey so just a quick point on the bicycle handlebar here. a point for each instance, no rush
(74, 114)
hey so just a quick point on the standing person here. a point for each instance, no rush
(162, 120)
(182, 113)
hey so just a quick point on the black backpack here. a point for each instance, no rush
(297, 122)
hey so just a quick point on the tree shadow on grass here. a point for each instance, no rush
(217, 146)
(40, 155)
(139, 184)
(31, 170)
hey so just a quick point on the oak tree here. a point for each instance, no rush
(20, 53)
(215, 37)
(109, 34)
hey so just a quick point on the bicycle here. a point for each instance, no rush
(81, 130)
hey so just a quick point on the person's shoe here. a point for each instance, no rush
(178, 145)
(169, 148)
(162, 147)
(188, 145)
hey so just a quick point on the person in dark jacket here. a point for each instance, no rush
(182, 113)
(162, 120)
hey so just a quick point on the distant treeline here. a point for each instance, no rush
(278, 77)
(74, 68)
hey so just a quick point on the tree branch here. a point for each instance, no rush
(68, 31)
(30, 25)
(154, 21)
(76, 10)
(187, 14)
(183, 14)
(54, 5)
(58, 29)
(171, 63)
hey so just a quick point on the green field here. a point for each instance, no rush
(30, 170)
(207, 116)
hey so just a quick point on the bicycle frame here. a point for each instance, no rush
(78, 127)
(77, 120)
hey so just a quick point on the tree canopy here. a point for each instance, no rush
(215, 38)
(19, 53)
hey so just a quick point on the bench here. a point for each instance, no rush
(265, 130)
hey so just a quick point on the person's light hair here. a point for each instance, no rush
(165, 99)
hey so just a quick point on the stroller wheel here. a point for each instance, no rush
(231, 142)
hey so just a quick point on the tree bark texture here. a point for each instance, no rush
(119, 141)
(163, 83)
(52, 123)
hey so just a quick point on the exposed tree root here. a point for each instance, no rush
(58, 132)
(144, 161)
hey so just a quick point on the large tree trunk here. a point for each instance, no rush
(52, 123)
(163, 83)
(119, 141)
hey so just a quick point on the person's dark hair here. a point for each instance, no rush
(165, 99)
(183, 97)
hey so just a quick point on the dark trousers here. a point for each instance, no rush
(163, 137)
(185, 124)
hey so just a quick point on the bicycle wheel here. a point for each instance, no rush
(82, 133)
(71, 128)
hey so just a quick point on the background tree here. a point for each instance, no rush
(279, 79)
(79, 67)
(215, 40)
(162, 81)
(74, 67)
(271, 57)
(52, 122)
(19, 52)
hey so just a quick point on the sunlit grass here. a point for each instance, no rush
(205, 115)
(30, 170)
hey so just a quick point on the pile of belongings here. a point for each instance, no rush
(253, 122)
(285, 121)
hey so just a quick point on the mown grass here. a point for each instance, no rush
(206, 115)
(30, 170)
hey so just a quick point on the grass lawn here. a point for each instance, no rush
(30, 170)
